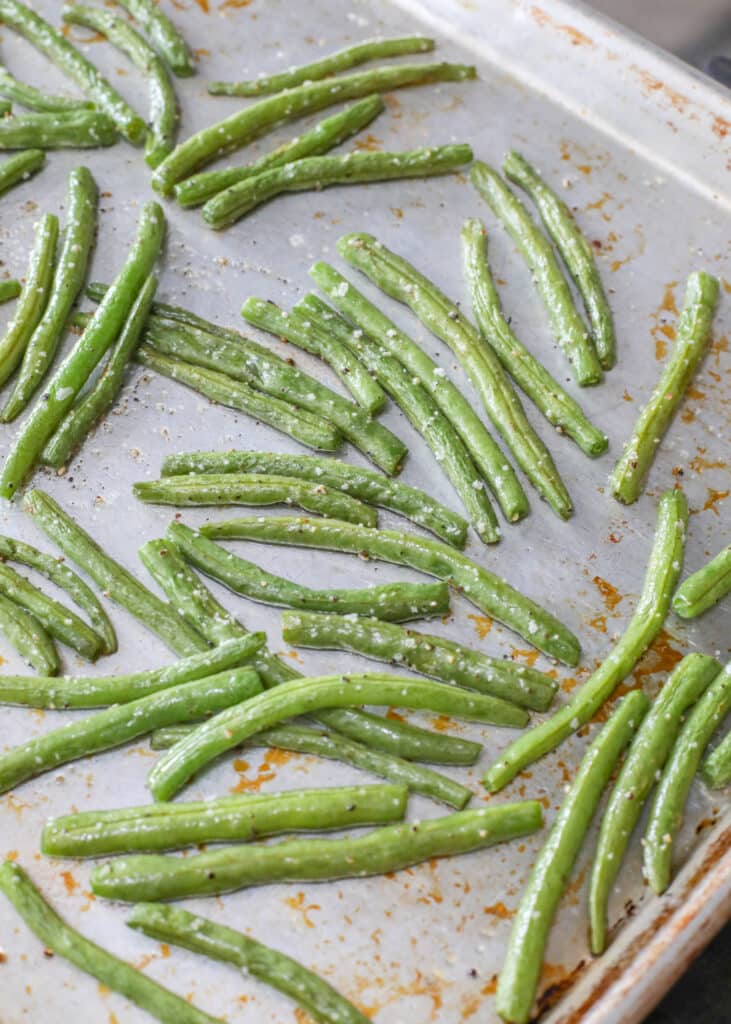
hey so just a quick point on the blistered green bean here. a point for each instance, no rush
(28, 637)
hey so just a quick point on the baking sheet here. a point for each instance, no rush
(642, 154)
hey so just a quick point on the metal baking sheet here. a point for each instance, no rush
(640, 145)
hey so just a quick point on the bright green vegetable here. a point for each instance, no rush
(34, 99)
(640, 771)
(72, 129)
(692, 338)
(74, 371)
(488, 592)
(706, 587)
(10, 289)
(430, 655)
(559, 408)
(229, 819)
(716, 769)
(575, 250)
(551, 871)
(117, 975)
(164, 36)
(28, 637)
(663, 570)
(20, 167)
(668, 805)
(568, 328)
(68, 280)
(258, 119)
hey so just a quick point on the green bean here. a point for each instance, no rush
(487, 456)
(399, 279)
(716, 770)
(33, 298)
(68, 280)
(693, 336)
(34, 99)
(242, 127)
(391, 848)
(28, 637)
(19, 167)
(429, 655)
(705, 588)
(303, 426)
(49, 41)
(417, 405)
(165, 37)
(568, 328)
(73, 129)
(163, 103)
(115, 581)
(314, 173)
(668, 805)
(341, 60)
(644, 763)
(364, 484)
(74, 371)
(559, 408)
(230, 819)
(310, 337)
(10, 289)
(393, 601)
(6, 107)
(551, 871)
(663, 569)
(100, 397)
(255, 489)
(575, 251)
(121, 723)
(488, 592)
(57, 937)
(321, 1002)
(326, 135)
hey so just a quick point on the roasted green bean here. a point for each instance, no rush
(32, 98)
(72, 129)
(705, 587)
(10, 289)
(164, 35)
(28, 637)
(716, 770)
(20, 167)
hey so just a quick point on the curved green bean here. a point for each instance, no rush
(705, 588)
(165, 37)
(692, 338)
(44, 37)
(229, 819)
(402, 281)
(72, 129)
(668, 806)
(74, 371)
(716, 770)
(568, 328)
(639, 773)
(33, 298)
(20, 167)
(326, 135)
(663, 570)
(28, 637)
(551, 870)
(10, 289)
(488, 592)
(68, 280)
(559, 408)
(35, 99)
(259, 118)
(341, 60)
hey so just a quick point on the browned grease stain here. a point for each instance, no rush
(370, 143)
(431, 988)
(529, 657)
(660, 657)
(616, 265)
(660, 331)
(610, 595)
(248, 785)
(498, 910)
(599, 203)
(483, 625)
(397, 212)
(575, 37)
(233, 5)
(714, 499)
(699, 462)
(297, 903)
(83, 38)
(70, 883)
(472, 1004)
(726, 285)
(394, 105)
(721, 127)
(599, 623)
(718, 346)
(555, 980)
(651, 84)
(569, 683)
(442, 723)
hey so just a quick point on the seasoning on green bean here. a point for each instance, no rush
(10, 289)
(668, 805)
(314, 173)
(430, 655)
(693, 334)
(326, 67)
(321, 1002)
(19, 167)
(639, 773)
(559, 408)
(487, 591)
(261, 117)
(163, 102)
(33, 298)
(28, 637)
(229, 819)
(551, 870)
(575, 250)
(165, 37)
(326, 135)
(73, 129)
(358, 481)
(34, 99)
(74, 371)
(68, 280)
(716, 770)
(402, 281)
(663, 570)
(568, 328)
(705, 588)
(100, 397)
(114, 580)
(57, 48)
(59, 938)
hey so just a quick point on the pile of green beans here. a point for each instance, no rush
(705, 588)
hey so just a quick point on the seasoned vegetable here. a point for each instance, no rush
(28, 637)
(10, 289)
(20, 167)
(73, 129)
(706, 587)
(34, 99)
(165, 37)
(716, 769)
